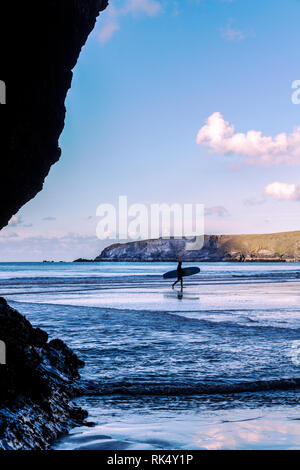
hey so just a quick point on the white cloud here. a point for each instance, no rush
(110, 21)
(257, 149)
(15, 220)
(149, 7)
(108, 30)
(283, 191)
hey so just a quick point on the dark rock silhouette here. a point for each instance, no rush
(43, 41)
(37, 383)
(83, 260)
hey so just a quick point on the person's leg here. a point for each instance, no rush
(174, 284)
(181, 282)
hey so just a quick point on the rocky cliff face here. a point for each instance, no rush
(283, 246)
(37, 383)
(42, 41)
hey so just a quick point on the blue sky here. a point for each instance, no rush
(150, 76)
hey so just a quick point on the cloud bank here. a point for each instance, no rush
(37, 248)
(220, 136)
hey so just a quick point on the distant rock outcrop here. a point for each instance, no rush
(37, 381)
(83, 260)
(284, 246)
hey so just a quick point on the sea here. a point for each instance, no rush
(215, 368)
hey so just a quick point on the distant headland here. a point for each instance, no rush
(278, 247)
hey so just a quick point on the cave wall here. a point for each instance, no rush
(40, 46)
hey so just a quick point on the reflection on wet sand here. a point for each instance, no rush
(253, 430)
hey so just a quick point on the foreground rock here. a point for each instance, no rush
(37, 383)
(279, 247)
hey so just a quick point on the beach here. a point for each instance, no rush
(217, 369)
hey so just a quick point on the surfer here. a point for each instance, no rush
(179, 276)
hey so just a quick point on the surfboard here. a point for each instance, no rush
(184, 271)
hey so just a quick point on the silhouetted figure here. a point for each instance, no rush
(179, 276)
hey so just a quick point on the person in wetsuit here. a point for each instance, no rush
(179, 276)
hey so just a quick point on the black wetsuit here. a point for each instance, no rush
(179, 276)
